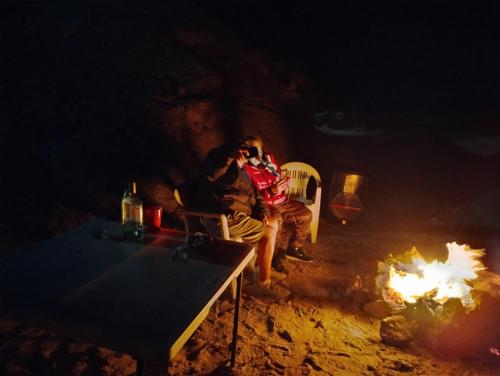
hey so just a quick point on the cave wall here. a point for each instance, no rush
(101, 92)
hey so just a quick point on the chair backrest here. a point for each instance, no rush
(188, 194)
(177, 196)
(299, 178)
(214, 224)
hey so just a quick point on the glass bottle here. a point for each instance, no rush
(132, 214)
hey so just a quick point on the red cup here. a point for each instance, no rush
(152, 217)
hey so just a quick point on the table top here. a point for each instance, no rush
(132, 297)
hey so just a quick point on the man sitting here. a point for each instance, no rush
(265, 174)
(229, 190)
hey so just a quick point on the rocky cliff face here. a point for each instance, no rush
(96, 93)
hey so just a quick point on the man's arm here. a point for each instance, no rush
(218, 161)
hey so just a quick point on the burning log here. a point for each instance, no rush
(451, 309)
(406, 279)
(422, 312)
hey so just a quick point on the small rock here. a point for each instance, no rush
(353, 345)
(285, 335)
(312, 362)
(282, 348)
(274, 365)
(270, 324)
(379, 309)
(370, 368)
(269, 364)
(396, 330)
(319, 324)
(278, 365)
(402, 366)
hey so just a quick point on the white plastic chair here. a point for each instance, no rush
(299, 174)
(216, 226)
(212, 229)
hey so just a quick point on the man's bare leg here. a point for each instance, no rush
(265, 250)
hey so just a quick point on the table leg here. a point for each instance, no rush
(239, 284)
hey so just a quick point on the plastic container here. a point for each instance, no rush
(344, 203)
(152, 217)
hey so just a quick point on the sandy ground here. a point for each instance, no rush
(320, 331)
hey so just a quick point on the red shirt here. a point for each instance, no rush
(264, 177)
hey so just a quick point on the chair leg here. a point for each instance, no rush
(314, 230)
(313, 227)
(234, 288)
(315, 216)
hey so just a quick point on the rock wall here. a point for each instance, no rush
(95, 93)
(99, 92)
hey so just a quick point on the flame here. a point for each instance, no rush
(437, 280)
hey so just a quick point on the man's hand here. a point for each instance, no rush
(279, 187)
(241, 157)
(283, 185)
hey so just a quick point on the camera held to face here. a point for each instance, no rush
(252, 151)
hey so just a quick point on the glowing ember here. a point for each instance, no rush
(402, 282)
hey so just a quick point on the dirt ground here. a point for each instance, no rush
(321, 330)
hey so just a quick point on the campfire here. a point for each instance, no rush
(408, 279)
(432, 301)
